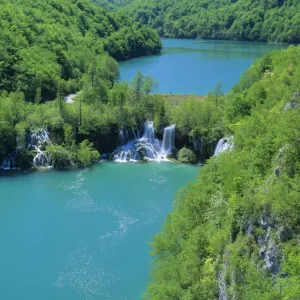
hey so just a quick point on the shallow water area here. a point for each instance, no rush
(82, 234)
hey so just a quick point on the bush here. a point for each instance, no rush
(86, 154)
(59, 156)
(186, 156)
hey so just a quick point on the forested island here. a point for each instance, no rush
(234, 232)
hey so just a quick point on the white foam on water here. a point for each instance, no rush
(152, 213)
(81, 198)
(84, 275)
(159, 179)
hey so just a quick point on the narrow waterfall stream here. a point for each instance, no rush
(168, 139)
(8, 163)
(37, 141)
(224, 144)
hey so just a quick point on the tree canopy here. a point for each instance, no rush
(268, 20)
(47, 46)
(234, 232)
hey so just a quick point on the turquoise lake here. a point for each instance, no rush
(83, 234)
(197, 66)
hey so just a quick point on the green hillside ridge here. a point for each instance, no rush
(234, 233)
(48, 45)
(246, 20)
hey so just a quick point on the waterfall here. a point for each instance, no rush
(135, 148)
(42, 159)
(37, 141)
(168, 139)
(8, 163)
(128, 134)
(224, 144)
(149, 131)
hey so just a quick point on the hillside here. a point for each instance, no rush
(247, 20)
(234, 233)
(44, 44)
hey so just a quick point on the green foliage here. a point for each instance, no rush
(186, 156)
(24, 159)
(47, 48)
(86, 155)
(244, 207)
(59, 156)
(200, 119)
(270, 20)
(7, 138)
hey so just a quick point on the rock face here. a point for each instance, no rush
(267, 234)
(269, 252)
(290, 105)
(222, 286)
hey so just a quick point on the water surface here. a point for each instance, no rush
(197, 66)
(83, 234)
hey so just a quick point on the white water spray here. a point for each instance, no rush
(168, 139)
(224, 144)
(37, 141)
(147, 146)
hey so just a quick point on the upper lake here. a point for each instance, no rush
(197, 66)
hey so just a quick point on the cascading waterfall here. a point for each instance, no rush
(168, 139)
(149, 131)
(8, 163)
(126, 135)
(146, 146)
(224, 144)
(37, 141)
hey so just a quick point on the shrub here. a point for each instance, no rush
(186, 156)
(86, 154)
(59, 156)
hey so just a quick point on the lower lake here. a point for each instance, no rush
(197, 66)
(83, 234)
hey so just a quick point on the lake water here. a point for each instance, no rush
(197, 66)
(83, 234)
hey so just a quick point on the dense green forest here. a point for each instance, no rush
(49, 49)
(268, 20)
(234, 233)
(46, 47)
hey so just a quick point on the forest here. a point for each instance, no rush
(51, 49)
(234, 233)
(246, 20)
(47, 47)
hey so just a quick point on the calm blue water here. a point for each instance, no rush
(197, 66)
(83, 234)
